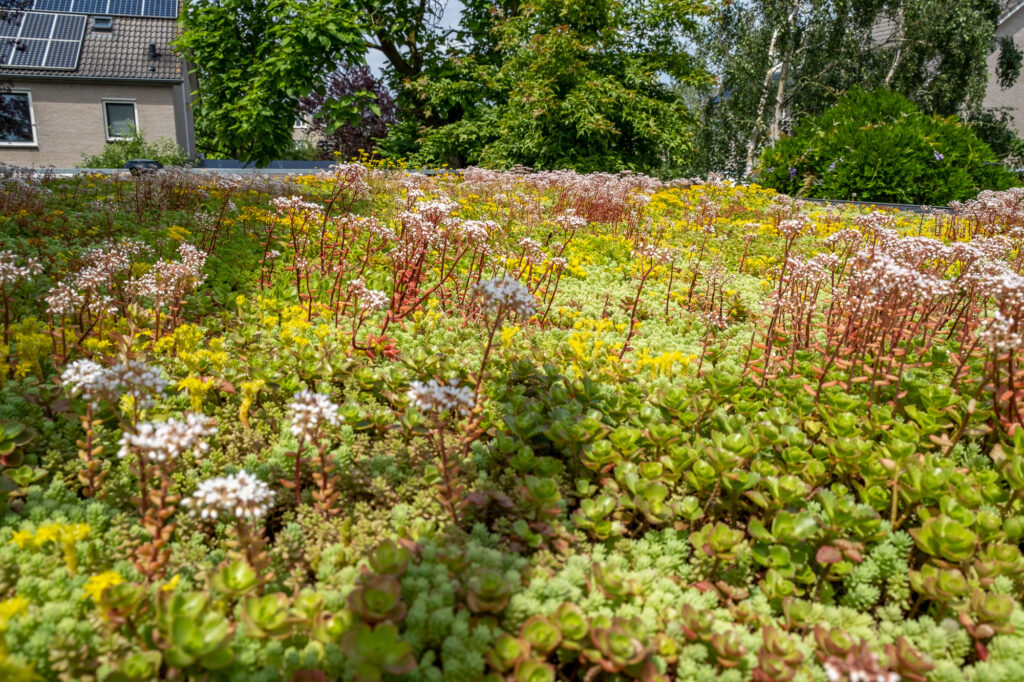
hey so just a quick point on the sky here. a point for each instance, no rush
(450, 18)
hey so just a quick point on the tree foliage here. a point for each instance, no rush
(780, 60)
(254, 60)
(349, 138)
(570, 84)
(879, 147)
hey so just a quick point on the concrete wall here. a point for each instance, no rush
(69, 119)
(1012, 98)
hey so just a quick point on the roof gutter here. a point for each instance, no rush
(1010, 14)
(9, 75)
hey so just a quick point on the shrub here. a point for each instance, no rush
(375, 114)
(137, 146)
(877, 146)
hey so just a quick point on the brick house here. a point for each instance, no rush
(82, 73)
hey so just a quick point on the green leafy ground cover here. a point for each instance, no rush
(304, 430)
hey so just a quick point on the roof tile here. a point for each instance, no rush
(121, 53)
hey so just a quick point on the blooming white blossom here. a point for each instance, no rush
(654, 253)
(83, 376)
(11, 272)
(439, 398)
(531, 250)
(167, 279)
(240, 495)
(369, 299)
(296, 204)
(999, 336)
(163, 441)
(310, 411)
(133, 378)
(509, 293)
(63, 299)
(477, 232)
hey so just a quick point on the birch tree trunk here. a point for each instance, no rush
(755, 133)
(900, 38)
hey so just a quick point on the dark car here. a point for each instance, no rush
(140, 166)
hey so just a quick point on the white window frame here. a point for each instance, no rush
(31, 118)
(300, 123)
(106, 120)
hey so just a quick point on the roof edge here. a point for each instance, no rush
(11, 76)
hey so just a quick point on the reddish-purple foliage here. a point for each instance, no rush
(349, 139)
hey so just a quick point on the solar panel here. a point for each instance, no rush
(10, 26)
(42, 40)
(68, 27)
(161, 8)
(131, 8)
(127, 7)
(28, 52)
(6, 46)
(90, 6)
(37, 25)
(52, 5)
(63, 54)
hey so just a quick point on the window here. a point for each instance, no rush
(301, 123)
(17, 123)
(119, 117)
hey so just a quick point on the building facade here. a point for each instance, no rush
(80, 74)
(1011, 24)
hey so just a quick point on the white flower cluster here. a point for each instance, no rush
(653, 253)
(477, 232)
(999, 336)
(353, 175)
(847, 237)
(163, 441)
(531, 250)
(569, 221)
(133, 378)
(358, 223)
(63, 299)
(103, 264)
(793, 228)
(241, 495)
(436, 210)
(136, 379)
(83, 376)
(167, 279)
(439, 398)
(369, 299)
(310, 411)
(11, 272)
(507, 292)
(295, 204)
(878, 277)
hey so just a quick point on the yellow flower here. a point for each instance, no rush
(23, 538)
(9, 608)
(507, 334)
(95, 585)
(171, 584)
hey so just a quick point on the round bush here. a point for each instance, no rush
(877, 146)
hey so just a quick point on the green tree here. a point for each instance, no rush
(254, 60)
(780, 60)
(578, 84)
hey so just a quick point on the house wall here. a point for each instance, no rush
(1012, 98)
(69, 119)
